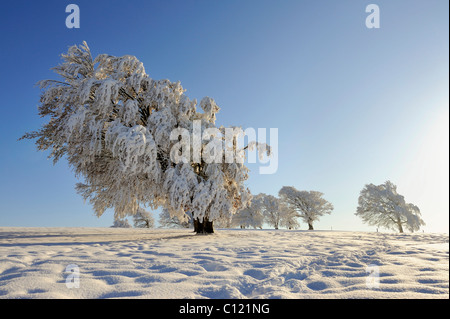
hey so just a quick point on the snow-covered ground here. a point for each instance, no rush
(141, 263)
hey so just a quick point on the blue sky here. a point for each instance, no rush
(352, 105)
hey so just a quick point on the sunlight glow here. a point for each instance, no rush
(425, 181)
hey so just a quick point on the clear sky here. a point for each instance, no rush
(352, 105)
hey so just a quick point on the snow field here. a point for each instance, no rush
(157, 263)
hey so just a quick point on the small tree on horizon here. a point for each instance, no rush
(310, 205)
(275, 212)
(289, 217)
(167, 221)
(251, 216)
(271, 210)
(143, 219)
(382, 206)
(121, 223)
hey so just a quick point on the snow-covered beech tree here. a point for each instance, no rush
(310, 205)
(279, 214)
(143, 219)
(251, 216)
(124, 134)
(266, 209)
(271, 210)
(289, 217)
(381, 205)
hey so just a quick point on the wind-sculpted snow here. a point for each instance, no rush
(143, 263)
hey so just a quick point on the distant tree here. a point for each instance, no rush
(251, 216)
(271, 210)
(121, 223)
(289, 217)
(167, 221)
(143, 219)
(310, 205)
(382, 206)
(270, 206)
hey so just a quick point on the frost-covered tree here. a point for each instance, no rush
(143, 219)
(271, 210)
(289, 217)
(124, 134)
(251, 216)
(243, 218)
(310, 205)
(121, 223)
(277, 213)
(382, 206)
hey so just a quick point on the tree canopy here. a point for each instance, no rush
(310, 205)
(381, 205)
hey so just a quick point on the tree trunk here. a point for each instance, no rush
(310, 226)
(203, 227)
(195, 225)
(400, 227)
